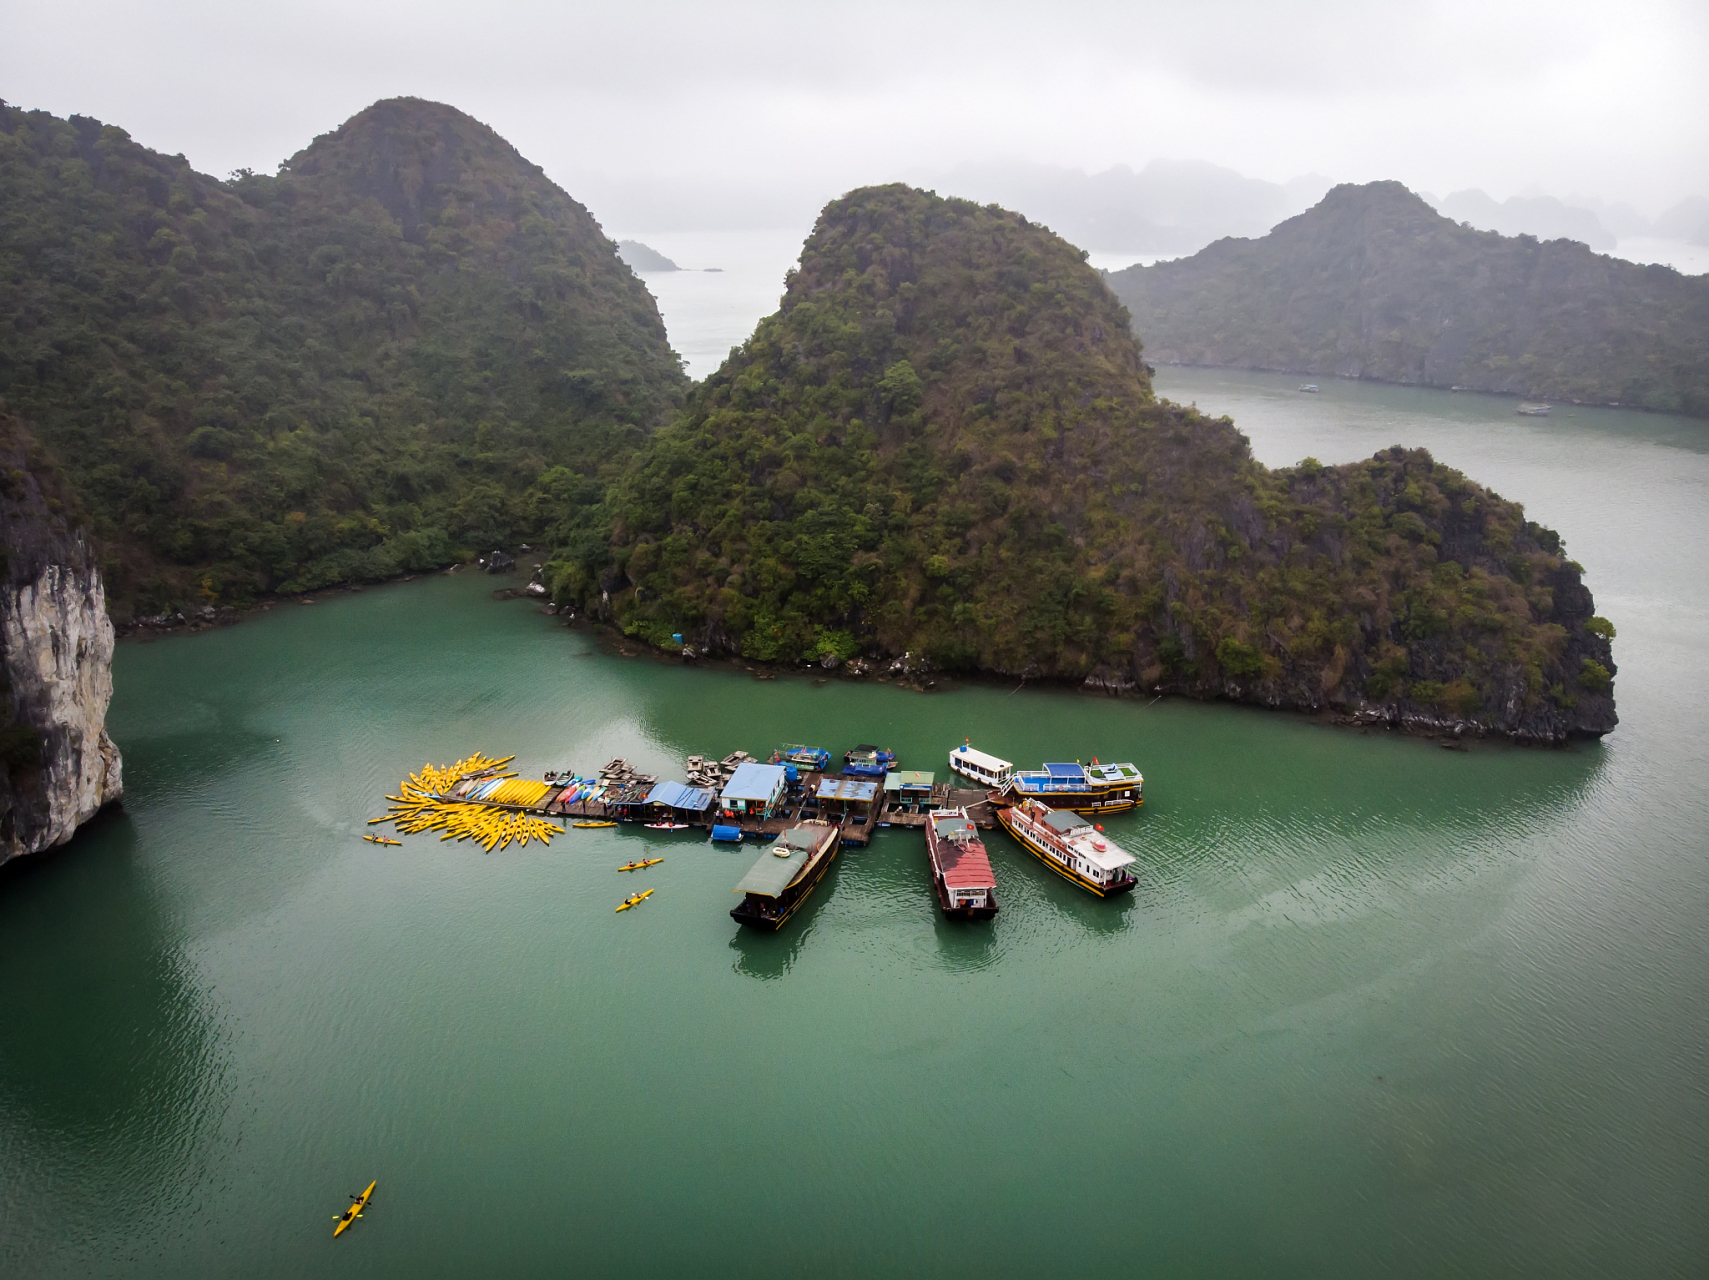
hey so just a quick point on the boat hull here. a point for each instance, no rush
(1083, 803)
(1032, 846)
(748, 911)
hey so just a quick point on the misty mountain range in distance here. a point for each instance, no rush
(1172, 208)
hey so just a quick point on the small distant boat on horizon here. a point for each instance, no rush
(1310, 386)
(1533, 410)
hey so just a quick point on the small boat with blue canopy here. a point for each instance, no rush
(813, 759)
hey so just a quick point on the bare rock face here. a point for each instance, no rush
(57, 764)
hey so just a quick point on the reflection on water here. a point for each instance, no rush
(770, 953)
(1374, 1000)
(111, 1069)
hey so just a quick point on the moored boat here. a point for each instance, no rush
(986, 770)
(802, 757)
(867, 761)
(1093, 788)
(1070, 846)
(777, 885)
(1533, 410)
(961, 869)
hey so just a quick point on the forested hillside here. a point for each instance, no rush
(407, 342)
(1374, 283)
(945, 444)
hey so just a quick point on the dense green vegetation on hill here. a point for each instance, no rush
(406, 342)
(945, 443)
(1373, 283)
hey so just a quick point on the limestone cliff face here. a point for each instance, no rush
(57, 764)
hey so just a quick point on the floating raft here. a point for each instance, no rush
(426, 802)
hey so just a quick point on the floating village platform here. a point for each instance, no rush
(859, 805)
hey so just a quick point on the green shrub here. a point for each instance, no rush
(1594, 676)
(1239, 659)
(1600, 626)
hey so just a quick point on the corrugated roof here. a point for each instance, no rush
(1064, 821)
(913, 779)
(846, 789)
(754, 782)
(1064, 770)
(678, 796)
(965, 866)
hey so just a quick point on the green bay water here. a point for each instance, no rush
(1375, 1007)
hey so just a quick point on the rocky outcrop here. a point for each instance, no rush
(57, 764)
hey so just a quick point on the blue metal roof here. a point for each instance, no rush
(1064, 770)
(760, 782)
(678, 796)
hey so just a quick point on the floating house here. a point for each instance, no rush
(674, 801)
(840, 797)
(910, 790)
(627, 802)
(754, 790)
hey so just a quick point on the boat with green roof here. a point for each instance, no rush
(789, 870)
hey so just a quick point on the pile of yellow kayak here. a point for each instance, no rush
(419, 809)
(434, 780)
(522, 791)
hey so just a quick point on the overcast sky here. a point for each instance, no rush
(654, 100)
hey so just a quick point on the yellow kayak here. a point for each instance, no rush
(636, 866)
(635, 901)
(593, 824)
(381, 840)
(354, 1211)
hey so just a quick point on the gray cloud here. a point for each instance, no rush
(780, 105)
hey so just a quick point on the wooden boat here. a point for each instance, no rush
(381, 840)
(637, 866)
(635, 900)
(787, 872)
(1093, 788)
(961, 870)
(355, 1210)
(1070, 846)
(593, 824)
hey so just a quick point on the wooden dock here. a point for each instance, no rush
(801, 807)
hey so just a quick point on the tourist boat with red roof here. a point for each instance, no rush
(1070, 846)
(961, 870)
